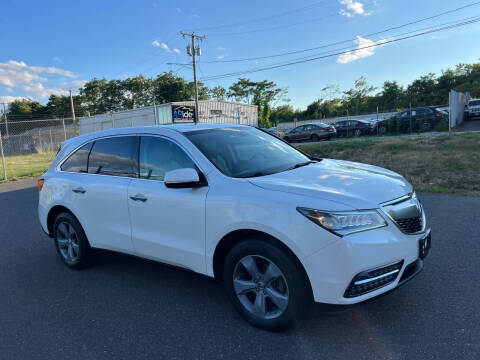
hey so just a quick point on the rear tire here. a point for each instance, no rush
(357, 132)
(314, 137)
(276, 294)
(71, 242)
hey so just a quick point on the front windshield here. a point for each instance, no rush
(245, 152)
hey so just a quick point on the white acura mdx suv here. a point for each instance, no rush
(279, 228)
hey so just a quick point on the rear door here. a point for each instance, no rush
(98, 193)
(167, 224)
(307, 132)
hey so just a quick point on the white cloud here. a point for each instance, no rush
(220, 57)
(194, 16)
(38, 91)
(17, 75)
(345, 13)
(353, 7)
(221, 48)
(165, 47)
(74, 85)
(13, 73)
(8, 99)
(179, 10)
(365, 48)
(57, 59)
(175, 50)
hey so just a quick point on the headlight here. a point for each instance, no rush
(345, 222)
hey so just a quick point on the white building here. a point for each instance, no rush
(210, 111)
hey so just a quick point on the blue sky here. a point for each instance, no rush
(49, 46)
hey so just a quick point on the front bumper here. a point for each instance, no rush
(333, 270)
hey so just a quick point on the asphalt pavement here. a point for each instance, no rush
(126, 308)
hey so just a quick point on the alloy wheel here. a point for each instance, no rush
(67, 240)
(260, 287)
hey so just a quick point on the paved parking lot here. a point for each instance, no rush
(126, 308)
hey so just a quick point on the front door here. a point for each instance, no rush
(167, 224)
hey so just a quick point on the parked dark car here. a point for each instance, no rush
(419, 118)
(355, 128)
(312, 132)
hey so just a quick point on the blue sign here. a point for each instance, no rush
(183, 114)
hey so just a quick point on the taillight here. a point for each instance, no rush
(438, 114)
(40, 184)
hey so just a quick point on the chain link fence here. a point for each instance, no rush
(27, 147)
(423, 119)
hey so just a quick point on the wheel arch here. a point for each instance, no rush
(234, 237)
(52, 215)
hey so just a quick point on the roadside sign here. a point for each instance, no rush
(183, 114)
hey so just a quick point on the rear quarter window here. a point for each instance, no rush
(78, 161)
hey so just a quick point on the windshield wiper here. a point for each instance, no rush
(296, 166)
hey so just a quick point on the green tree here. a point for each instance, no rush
(92, 94)
(355, 100)
(392, 96)
(262, 94)
(137, 92)
(59, 106)
(218, 93)
(422, 92)
(23, 109)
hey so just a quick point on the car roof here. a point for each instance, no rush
(153, 129)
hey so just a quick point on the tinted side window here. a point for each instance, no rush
(114, 156)
(77, 162)
(158, 156)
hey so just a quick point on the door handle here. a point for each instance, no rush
(79, 190)
(139, 197)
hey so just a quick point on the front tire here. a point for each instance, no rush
(71, 242)
(266, 285)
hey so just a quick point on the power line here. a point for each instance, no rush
(150, 56)
(221, 76)
(260, 19)
(275, 27)
(348, 40)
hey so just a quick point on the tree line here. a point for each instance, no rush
(99, 96)
(362, 98)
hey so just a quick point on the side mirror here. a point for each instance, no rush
(182, 178)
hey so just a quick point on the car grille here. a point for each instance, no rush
(374, 279)
(410, 225)
(407, 214)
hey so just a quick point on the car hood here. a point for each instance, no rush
(356, 185)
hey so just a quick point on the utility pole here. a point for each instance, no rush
(73, 108)
(6, 119)
(193, 50)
